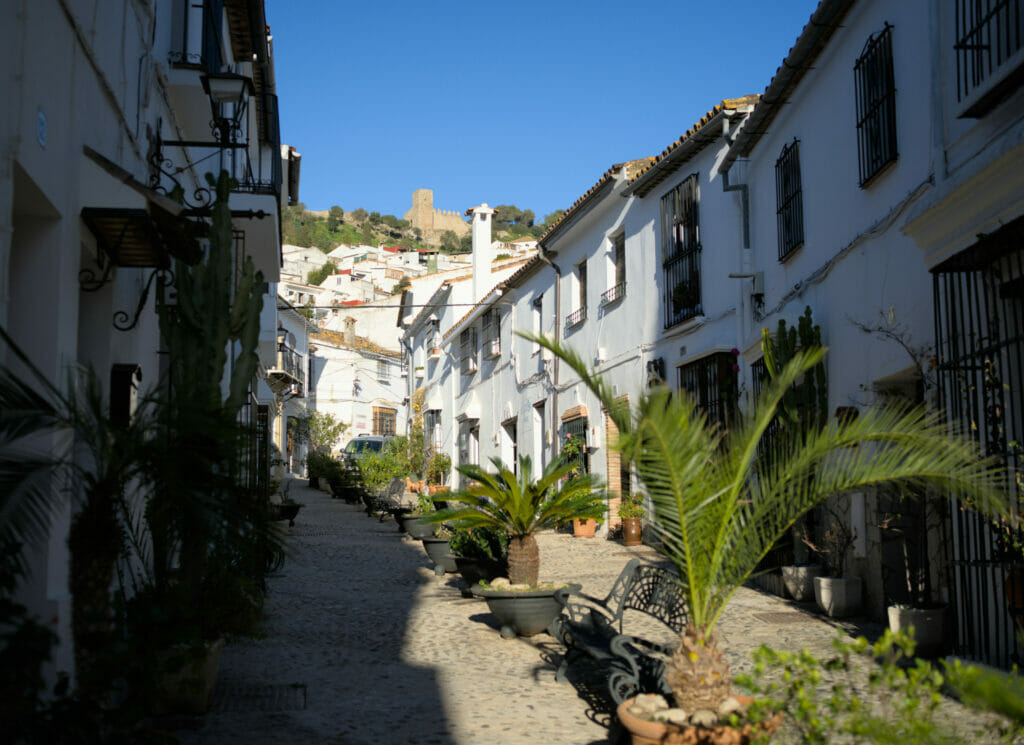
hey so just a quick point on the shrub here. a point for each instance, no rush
(479, 543)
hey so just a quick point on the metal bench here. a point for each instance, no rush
(385, 500)
(592, 628)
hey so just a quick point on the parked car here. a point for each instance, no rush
(363, 445)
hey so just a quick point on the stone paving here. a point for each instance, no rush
(365, 644)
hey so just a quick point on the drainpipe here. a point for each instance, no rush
(558, 338)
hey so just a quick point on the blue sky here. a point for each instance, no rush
(522, 103)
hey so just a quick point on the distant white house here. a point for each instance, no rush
(358, 381)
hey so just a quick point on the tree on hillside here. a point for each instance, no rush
(449, 241)
(359, 215)
(317, 276)
(551, 219)
(374, 218)
(335, 218)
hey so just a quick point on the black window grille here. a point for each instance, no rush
(491, 328)
(789, 199)
(712, 383)
(979, 331)
(467, 348)
(384, 420)
(577, 428)
(988, 34)
(875, 86)
(209, 17)
(680, 248)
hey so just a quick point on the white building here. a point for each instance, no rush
(99, 128)
(358, 381)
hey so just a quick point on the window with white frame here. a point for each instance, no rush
(382, 370)
(617, 276)
(579, 279)
(467, 349)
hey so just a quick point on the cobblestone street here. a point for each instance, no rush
(365, 644)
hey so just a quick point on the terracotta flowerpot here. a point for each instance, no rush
(645, 732)
(839, 597)
(632, 531)
(584, 528)
(438, 488)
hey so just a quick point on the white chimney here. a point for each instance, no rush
(349, 334)
(483, 253)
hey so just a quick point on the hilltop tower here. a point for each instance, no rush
(433, 222)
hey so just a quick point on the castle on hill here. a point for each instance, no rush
(434, 222)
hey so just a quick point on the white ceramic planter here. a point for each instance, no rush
(799, 581)
(838, 597)
(929, 627)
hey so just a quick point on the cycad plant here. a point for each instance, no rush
(520, 506)
(719, 509)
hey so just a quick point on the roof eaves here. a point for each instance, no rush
(585, 202)
(823, 23)
(696, 138)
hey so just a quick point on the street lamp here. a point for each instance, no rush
(226, 88)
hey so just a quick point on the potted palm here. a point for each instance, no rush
(521, 506)
(718, 509)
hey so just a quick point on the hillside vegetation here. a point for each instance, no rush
(326, 230)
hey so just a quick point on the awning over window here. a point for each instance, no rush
(576, 412)
(134, 225)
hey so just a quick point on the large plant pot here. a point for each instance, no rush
(584, 528)
(417, 526)
(645, 732)
(632, 531)
(400, 513)
(838, 597)
(929, 627)
(473, 570)
(799, 581)
(440, 553)
(186, 679)
(287, 512)
(522, 612)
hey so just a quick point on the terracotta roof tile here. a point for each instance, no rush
(631, 166)
(362, 344)
(697, 128)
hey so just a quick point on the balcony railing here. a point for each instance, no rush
(286, 376)
(575, 318)
(613, 294)
(989, 52)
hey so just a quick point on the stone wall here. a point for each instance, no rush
(433, 222)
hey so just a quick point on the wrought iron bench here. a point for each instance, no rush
(384, 500)
(593, 628)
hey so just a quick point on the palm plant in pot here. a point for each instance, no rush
(521, 506)
(718, 509)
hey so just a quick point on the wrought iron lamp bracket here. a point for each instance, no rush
(164, 277)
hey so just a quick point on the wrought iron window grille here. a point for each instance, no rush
(989, 44)
(575, 318)
(712, 383)
(875, 88)
(681, 249)
(613, 294)
(789, 200)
